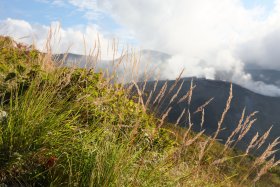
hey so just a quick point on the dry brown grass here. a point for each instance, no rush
(187, 142)
(205, 145)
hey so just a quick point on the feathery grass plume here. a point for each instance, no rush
(129, 88)
(192, 140)
(276, 164)
(242, 129)
(156, 83)
(188, 95)
(180, 117)
(223, 115)
(268, 165)
(225, 159)
(176, 81)
(134, 132)
(140, 98)
(191, 93)
(147, 76)
(162, 120)
(202, 119)
(73, 127)
(220, 161)
(190, 124)
(203, 148)
(149, 99)
(252, 143)
(163, 95)
(135, 68)
(268, 154)
(161, 92)
(177, 92)
(236, 131)
(245, 129)
(263, 138)
(184, 98)
(201, 108)
(269, 151)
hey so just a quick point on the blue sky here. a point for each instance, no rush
(44, 12)
(252, 3)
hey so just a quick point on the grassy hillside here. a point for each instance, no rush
(72, 127)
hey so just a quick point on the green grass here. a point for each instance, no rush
(71, 127)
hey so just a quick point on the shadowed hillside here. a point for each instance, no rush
(69, 126)
(266, 75)
(267, 107)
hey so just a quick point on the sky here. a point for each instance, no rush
(204, 37)
(78, 15)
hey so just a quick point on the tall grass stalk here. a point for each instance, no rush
(70, 126)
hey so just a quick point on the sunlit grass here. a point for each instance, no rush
(72, 127)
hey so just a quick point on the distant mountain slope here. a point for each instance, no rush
(155, 55)
(158, 59)
(268, 107)
(267, 76)
(79, 60)
(149, 59)
(149, 56)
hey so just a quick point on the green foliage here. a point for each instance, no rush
(71, 127)
(19, 64)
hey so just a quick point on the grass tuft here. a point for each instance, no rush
(64, 126)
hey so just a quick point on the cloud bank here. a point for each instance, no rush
(78, 39)
(205, 37)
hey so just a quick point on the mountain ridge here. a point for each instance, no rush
(266, 106)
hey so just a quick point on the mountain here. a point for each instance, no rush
(268, 108)
(267, 76)
(150, 59)
(69, 126)
(154, 56)
(149, 56)
(81, 61)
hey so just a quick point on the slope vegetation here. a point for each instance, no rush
(61, 126)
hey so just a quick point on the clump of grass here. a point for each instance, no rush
(74, 127)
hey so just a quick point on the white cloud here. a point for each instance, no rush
(204, 36)
(60, 3)
(84, 4)
(88, 7)
(196, 27)
(72, 38)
